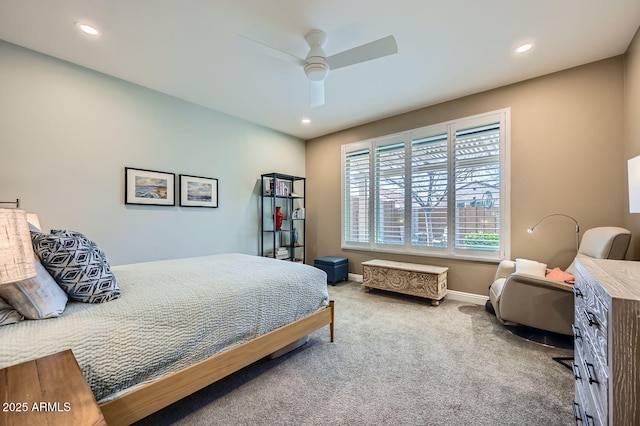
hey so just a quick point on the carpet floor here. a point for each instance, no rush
(396, 360)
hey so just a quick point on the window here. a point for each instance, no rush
(440, 190)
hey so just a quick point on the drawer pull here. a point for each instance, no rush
(589, 420)
(576, 412)
(591, 318)
(577, 292)
(576, 332)
(576, 371)
(591, 373)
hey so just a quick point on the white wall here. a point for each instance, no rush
(67, 133)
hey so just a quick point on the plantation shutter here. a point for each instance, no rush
(440, 190)
(477, 188)
(429, 194)
(356, 202)
(389, 193)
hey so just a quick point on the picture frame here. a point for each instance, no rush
(198, 191)
(149, 187)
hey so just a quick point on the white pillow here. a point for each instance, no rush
(531, 267)
(39, 297)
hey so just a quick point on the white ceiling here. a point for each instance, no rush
(446, 49)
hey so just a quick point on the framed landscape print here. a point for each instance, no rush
(149, 187)
(196, 191)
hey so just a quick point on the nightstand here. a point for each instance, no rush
(47, 391)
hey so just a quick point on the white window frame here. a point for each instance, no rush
(502, 116)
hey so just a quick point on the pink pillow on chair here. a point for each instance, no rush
(560, 275)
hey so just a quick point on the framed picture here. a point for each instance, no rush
(196, 191)
(149, 187)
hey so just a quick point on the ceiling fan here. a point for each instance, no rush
(317, 64)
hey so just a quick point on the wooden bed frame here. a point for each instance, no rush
(156, 395)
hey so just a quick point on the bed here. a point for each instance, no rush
(177, 326)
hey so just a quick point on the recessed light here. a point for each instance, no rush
(87, 29)
(524, 48)
(305, 121)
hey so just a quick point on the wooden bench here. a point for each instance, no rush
(408, 278)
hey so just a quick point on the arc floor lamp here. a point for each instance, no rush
(530, 230)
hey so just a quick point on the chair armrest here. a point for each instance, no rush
(534, 280)
(537, 302)
(505, 268)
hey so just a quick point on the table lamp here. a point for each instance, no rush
(33, 219)
(16, 252)
(633, 172)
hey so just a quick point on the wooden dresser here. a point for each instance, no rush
(607, 342)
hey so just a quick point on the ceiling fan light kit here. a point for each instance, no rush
(316, 71)
(317, 65)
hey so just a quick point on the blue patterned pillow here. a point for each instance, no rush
(77, 264)
(8, 315)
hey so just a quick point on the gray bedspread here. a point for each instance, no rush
(171, 314)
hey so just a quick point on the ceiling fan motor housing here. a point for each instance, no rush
(315, 64)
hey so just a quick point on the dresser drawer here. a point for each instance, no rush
(584, 411)
(592, 378)
(590, 322)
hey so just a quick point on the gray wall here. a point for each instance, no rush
(66, 134)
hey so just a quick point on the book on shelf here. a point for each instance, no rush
(297, 213)
(280, 253)
(268, 186)
(279, 256)
(279, 188)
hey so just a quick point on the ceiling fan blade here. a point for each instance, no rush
(316, 93)
(376, 49)
(268, 50)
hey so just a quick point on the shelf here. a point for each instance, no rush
(285, 193)
(284, 197)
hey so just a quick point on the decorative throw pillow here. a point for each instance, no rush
(531, 267)
(77, 264)
(8, 315)
(39, 297)
(560, 275)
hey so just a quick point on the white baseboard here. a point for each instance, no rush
(355, 277)
(460, 296)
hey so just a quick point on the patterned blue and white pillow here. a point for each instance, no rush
(77, 264)
(8, 315)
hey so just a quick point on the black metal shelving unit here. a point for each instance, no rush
(288, 193)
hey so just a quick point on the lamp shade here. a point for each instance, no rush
(34, 220)
(16, 252)
(633, 166)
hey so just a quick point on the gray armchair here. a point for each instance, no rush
(547, 304)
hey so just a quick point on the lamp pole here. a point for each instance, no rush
(530, 230)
